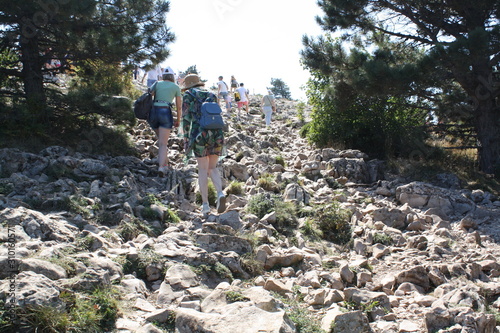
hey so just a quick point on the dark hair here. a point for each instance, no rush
(241, 84)
(168, 77)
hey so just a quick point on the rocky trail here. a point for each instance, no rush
(417, 257)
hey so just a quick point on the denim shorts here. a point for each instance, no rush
(161, 116)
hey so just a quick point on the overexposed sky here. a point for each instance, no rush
(254, 40)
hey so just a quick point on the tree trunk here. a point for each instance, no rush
(32, 77)
(488, 133)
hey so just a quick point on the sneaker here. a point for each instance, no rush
(205, 209)
(221, 203)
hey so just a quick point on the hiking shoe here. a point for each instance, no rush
(205, 209)
(221, 203)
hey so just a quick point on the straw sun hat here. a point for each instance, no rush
(191, 81)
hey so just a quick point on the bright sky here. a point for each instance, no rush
(253, 40)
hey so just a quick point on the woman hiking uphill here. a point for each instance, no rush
(205, 144)
(161, 119)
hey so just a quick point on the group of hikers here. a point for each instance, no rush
(205, 144)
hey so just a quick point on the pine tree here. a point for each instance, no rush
(280, 88)
(461, 44)
(75, 31)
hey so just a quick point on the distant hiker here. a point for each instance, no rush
(161, 119)
(206, 145)
(244, 98)
(223, 92)
(268, 106)
(153, 75)
(234, 83)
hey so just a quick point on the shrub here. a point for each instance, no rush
(334, 223)
(145, 257)
(268, 183)
(89, 313)
(280, 160)
(382, 238)
(234, 296)
(212, 194)
(129, 229)
(261, 204)
(265, 203)
(235, 187)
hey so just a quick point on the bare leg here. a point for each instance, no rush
(213, 172)
(163, 135)
(203, 163)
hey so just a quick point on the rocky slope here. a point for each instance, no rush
(422, 257)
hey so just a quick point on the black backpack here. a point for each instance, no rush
(143, 105)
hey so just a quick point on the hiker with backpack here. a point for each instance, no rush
(244, 98)
(234, 83)
(161, 117)
(268, 106)
(203, 137)
(223, 92)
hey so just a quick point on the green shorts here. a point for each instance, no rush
(209, 142)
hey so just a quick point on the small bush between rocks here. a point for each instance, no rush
(169, 325)
(235, 187)
(234, 296)
(382, 238)
(212, 194)
(145, 257)
(334, 223)
(261, 204)
(88, 313)
(265, 203)
(299, 315)
(280, 160)
(129, 229)
(268, 183)
(251, 265)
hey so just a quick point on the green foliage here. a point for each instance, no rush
(304, 320)
(212, 194)
(239, 156)
(218, 269)
(280, 160)
(262, 204)
(235, 187)
(280, 88)
(418, 69)
(92, 313)
(311, 230)
(378, 126)
(169, 324)
(382, 238)
(145, 257)
(97, 50)
(251, 265)
(300, 111)
(131, 228)
(286, 215)
(268, 183)
(334, 223)
(171, 216)
(234, 296)
(6, 188)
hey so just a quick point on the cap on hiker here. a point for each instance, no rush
(168, 70)
(191, 81)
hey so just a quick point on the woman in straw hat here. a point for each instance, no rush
(206, 145)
